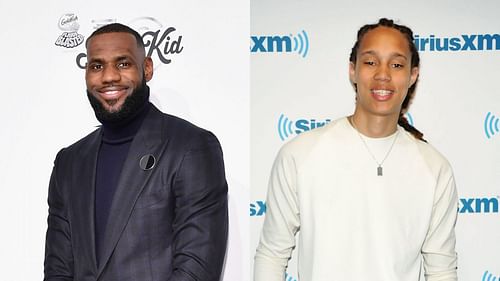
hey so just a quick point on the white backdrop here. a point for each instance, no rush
(45, 106)
(457, 89)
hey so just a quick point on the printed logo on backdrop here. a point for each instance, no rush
(70, 38)
(289, 277)
(478, 205)
(409, 117)
(466, 205)
(257, 209)
(464, 42)
(298, 43)
(491, 125)
(288, 127)
(161, 43)
(487, 276)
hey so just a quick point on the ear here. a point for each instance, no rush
(148, 68)
(352, 73)
(414, 75)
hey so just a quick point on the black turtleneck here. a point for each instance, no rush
(116, 140)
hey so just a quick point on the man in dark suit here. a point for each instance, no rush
(142, 198)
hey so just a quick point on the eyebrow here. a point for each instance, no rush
(371, 52)
(118, 58)
(94, 60)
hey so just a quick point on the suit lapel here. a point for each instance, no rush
(150, 139)
(84, 199)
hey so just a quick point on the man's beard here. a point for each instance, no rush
(131, 106)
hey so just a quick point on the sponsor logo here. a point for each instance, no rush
(478, 205)
(288, 127)
(298, 43)
(101, 22)
(464, 42)
(70, 37)
(161, 43)
(409, 117)
(489, 277)
(491, 125)
(288, 277)
(257, 209)
(466, 205)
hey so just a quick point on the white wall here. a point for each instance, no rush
(45, 106)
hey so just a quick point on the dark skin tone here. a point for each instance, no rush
(116, 67)
(383, 75)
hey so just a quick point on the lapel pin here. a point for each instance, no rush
(147, 162)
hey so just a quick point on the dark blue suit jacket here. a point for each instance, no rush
(167, 223)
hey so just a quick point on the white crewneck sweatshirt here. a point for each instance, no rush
(355, 225)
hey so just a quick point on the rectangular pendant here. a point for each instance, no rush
(379, 170)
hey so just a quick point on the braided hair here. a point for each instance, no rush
(415, 62)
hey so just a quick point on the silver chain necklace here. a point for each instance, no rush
(380, 170)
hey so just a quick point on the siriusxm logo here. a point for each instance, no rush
(472, 42)
(409, 118)
(287, 127)
(489, 277)
(288, 277)
(491, 126)
(257, 209)
(478, 205)
(281, 44)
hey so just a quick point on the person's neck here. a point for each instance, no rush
(127, 129)
(374, 126)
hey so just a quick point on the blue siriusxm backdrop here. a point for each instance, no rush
(301, 84)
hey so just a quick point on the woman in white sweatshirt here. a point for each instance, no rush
(371, 198)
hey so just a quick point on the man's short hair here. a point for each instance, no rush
(117, 27)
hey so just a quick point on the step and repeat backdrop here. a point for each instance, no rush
(200, 53)
(299, 81)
